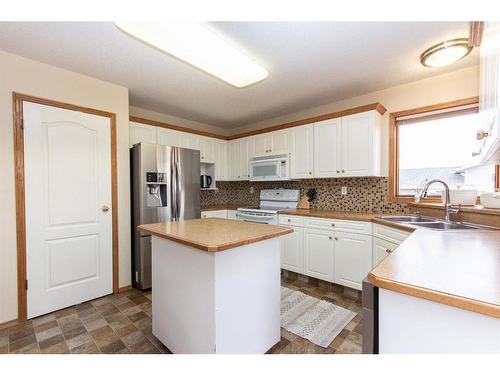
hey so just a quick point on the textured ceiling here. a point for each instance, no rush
(309, 64)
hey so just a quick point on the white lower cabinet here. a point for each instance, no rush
(339, 251)
(381, 248)
(292, 250)
(221, 214)
(353, 258)
(319, 247)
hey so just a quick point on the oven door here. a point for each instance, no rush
(260, 218)
(269, 170)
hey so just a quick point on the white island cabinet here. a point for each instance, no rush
(216, 285)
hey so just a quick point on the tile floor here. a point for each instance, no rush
(121, 323)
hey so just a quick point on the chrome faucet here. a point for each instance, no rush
(447, 206)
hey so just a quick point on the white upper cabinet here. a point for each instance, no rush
(239, 159)
(348, 146)
(221, 160)
(141, 133)
(260, 145)
(488, 144)
(360, 145)
(192, 141)
(302, 152)
(234, 161)
(207, 150)
(169, 137)
(327, 148)
(245, 158)
(273, 143)
(280, 142)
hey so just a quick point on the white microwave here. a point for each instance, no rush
(270, 168)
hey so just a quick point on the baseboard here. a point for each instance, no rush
(124, 288)
(9, 323)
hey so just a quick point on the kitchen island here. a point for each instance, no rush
(216, 285)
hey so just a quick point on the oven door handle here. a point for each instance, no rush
(256, 218)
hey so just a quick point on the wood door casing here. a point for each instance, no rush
(18, 100)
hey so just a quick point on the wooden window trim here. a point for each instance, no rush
(394, 147)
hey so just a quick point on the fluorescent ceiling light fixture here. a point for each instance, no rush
(445, 53)
(197, 45)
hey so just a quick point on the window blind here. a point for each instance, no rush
(438, 114)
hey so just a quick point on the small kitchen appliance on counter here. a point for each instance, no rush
(205, 181)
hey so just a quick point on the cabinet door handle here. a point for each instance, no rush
(333, 224)
(388, 251)
(343, 171)
(289, 220)
(330, 238)
(310, 173)
(338, 171)
(336, 238)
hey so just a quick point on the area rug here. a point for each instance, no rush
(311, 318)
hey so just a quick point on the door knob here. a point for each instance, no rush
(105, 208)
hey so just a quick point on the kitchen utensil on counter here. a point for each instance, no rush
(464, 195)
(311, 194)
(490, 200)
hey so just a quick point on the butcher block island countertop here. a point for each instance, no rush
(214, 234)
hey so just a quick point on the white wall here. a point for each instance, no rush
(164, 117)
(30, 77)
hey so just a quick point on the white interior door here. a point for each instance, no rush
(67, 157)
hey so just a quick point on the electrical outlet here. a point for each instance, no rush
(343, 190)
(251, 189)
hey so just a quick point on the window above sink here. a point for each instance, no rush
(436, 142)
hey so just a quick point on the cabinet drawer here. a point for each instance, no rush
(360, 227)
(389, 234)
(326, 224)
(292, 220)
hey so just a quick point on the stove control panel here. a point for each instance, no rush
(280, 195)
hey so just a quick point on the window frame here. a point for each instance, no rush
(394, 147)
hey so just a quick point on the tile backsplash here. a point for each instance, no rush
(364, 194)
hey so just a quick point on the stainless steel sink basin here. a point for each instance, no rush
(441, 225)
(432, 223)
(408, 219)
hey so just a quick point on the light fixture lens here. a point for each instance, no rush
(200, 47)
(445, 53)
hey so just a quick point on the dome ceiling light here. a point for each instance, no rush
(446, 53)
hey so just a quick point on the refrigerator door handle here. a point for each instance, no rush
(173, 186)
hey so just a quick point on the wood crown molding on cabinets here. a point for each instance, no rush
(17, 102)
(364, 108)
(176, 127)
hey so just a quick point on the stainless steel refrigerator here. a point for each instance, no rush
(165, 186)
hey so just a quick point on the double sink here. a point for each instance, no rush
(432, 223)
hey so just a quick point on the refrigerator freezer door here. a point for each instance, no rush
(142, 264)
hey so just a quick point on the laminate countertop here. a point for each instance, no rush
(214, 234)
(457, 268)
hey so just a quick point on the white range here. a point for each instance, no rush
(271, 201)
